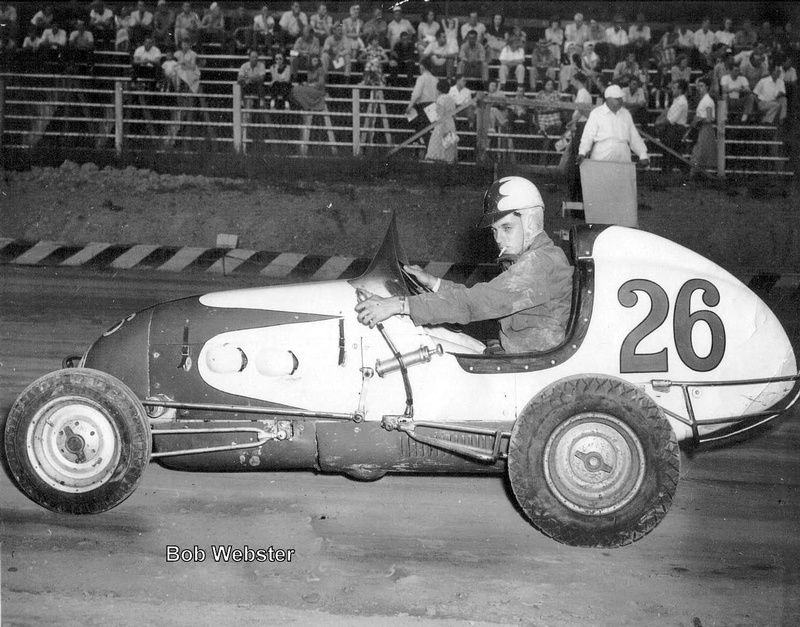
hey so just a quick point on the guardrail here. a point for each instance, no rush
(101, 112)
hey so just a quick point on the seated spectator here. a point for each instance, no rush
(251, 77)
(164, 25)
(291, 24)
(427, 30)
(141, 25)
(639, 39)
(31, 41)
(549, 120)
(765, 35)
(170, 70)
(321, 23)
(187, 25)
(146, 61)
(376, 25)
(577, 32)
(681, 71)
(102, 22)
(264, 35)
(554, 35)
(462, 95)
(306, 46)
(544, 65)
(397, 26)
(375, 58)
(473, 23)
(239, 31)
(745, 38)
(53, 43)
(280, 87)
(310, 96)
(570, 65)
(352, 27)
(597, 34)
(736, 90)
(723, 67)
(789, 76)
(337, 52)
(703, 46)
(685, 41)
(519, 113)
(498, 108)
(212, 27)
(616, 42)
(9, 26)
(450, 26)
(403, 59)
(627, 69)
(590, 61)
(123, 22)
(29, 52)
(81, 48)
(634, 100)
(665, 51)
(472, 58)
(68, 14)
(726, 34)
(442, 59)
(754, 65)
(771, 93)
(187, 68)
(512, 59)
(496, 35)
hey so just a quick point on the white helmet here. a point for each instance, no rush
(507, 195)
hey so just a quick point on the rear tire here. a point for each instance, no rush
(77, 441)
(593, 462)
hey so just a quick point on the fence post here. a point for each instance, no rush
(356, 122)
(722, 116)
(118, 117)
(237, 117)
(481, 129)
(2, 117)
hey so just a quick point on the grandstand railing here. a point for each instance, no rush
(48, 110)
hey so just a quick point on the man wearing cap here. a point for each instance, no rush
(399, 25)
(531, 298)
(610, 134)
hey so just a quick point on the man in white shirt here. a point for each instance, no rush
(674, 127)
(577, 32)
(704, 40)
(473, 23)
(146, 61)
(736, 90)
(771, 92)
(512, 59)
(399, 25)
(461, 95)
(610, 134)
(442, 57)
(639, 38)
(251, 77)
(141, 24)
(101, 21)
(635, 100)
(616, 41)
(292, 22)
(725, 35)
(579, 116)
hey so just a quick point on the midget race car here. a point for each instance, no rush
(662, 346)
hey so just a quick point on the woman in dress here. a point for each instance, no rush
(450, 25)
(310, 96)
(375, 58)
(427, 29)
(554, 35)
(443, 145)
(187, 70)
(549, 120)
(495, 38)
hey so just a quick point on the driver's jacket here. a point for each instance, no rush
(531, 299)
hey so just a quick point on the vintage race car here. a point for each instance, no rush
(662, 346)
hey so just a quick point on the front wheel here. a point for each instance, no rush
(77, 441)
(593, 462)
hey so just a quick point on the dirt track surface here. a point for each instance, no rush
(735, 225)
(406, 550)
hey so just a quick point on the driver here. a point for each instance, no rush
(531, 298)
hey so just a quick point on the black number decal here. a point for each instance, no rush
(629, 359)
(684, 322)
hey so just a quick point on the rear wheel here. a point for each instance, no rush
(77, 441)
(594, 462)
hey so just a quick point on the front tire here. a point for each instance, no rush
(593, 462)
(77, 441)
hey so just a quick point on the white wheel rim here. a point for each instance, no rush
(72, 444)
(594, 463)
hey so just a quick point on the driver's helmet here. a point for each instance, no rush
(507, 195)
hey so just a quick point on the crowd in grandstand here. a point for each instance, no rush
(751, 67)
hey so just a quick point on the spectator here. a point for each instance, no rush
(239, 31)
(590, 62)
(685, 41)
(472, 58)
(666, 52)
(321, 23)
(212, 26)
(306, 46)
(516, 31)
(473, 23)
(754, 65)
(9, 26)
(723, 67)
(187, 24)
(187, 69)
(627, 69)
(397, 26)
(164, 25)
(141, 24)
(635, 100)
(375, 58)
(442, 59)
(569, 67)
(251, 77)
(544, 65)
(597, 34)
(704, 152)
(291, 24)
(281, 82)
(736, 90)
(554, 34)
(518, 112)
(427, 30)
(498, 108)
(450, 26)
(310, 96)
(765, 35)
(424, 93)
(352, 26)
(31, 42)
(672, 125)
(639, 39)
(122, 39)
(264, 30)
(338, 51)
(789, 76)
(170, 70)
(704, 40)
(577, 32)
(495, 38)
(81, 48)
(610, 134)
(549, 120)
(377, 26)
(43, 18)
(102, 22)
(745, 38)
(616, 41)
(146, 61)
(579, 116)
(53, 43)
(443, 144)
(512, 59)
(681, 71)
(68, 14)
(403, 59)
(771, 93)
(726, 34)
(462, 95)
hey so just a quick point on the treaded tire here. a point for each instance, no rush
(77, 441)
(593, 462)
